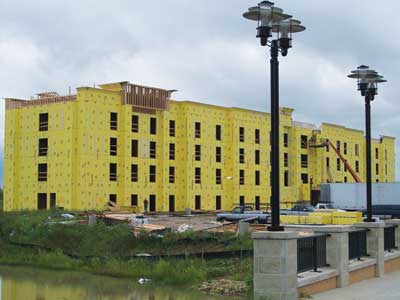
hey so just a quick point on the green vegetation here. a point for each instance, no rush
(1, 199)
(108, 250)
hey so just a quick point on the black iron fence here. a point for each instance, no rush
(390, 238)
(311, 253)
(358, 244)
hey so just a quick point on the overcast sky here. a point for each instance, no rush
(207, 51)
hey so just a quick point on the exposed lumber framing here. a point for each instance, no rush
(18, 103)
(145, 97)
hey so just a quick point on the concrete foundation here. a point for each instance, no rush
(275, 265)
(375, 244)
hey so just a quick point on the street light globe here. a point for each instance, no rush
(363, 74)
(266, 14)
(285, 29)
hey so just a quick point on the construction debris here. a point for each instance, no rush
(224, 287)
(144, 280)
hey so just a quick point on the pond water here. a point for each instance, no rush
(31, 284)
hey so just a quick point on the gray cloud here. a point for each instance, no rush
(207, 51)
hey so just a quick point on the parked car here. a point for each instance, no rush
(324, 206)
(299, 209)
(240, 213)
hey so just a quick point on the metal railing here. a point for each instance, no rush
(311, 253)
(390, 238)
(358, 244)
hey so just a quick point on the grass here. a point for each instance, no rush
(104, 250)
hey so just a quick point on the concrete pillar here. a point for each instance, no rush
(397, 231)
(275, 265)
(243, 228)
(337, 251)
(375, 244)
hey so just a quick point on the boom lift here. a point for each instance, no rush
(328, 143)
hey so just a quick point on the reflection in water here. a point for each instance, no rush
(30, 284)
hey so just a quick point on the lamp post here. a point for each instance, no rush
(271, 19)
(368, 86)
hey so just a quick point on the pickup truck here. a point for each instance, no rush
(299, 209)
(240, 213)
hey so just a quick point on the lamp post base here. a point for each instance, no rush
(368, 220)
(275, 228)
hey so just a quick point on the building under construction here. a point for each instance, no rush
(127, 143)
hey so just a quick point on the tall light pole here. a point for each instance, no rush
(271, 20)
(368, 86)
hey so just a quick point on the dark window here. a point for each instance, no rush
(172, 151)
(197, 175)
(242, 201)
(134, 148)
(257, 157)
(304, 178)
(286, 160)
(41, 201)
(377, 180)
(43, 147)
(218, 203)
(257, 202)
(153, 203)
(153, 149)
(218, 154)
(171, 203)
(172, 128)
(304, 142)
(241, 155)
(377, 169)
(113, 172)
(327, 145)
(135, 123)
(152, 172)
(345, 148)
(112, 198)
(241, 177)
(241, 134)
(327, 162)
(53, 200)
(197, 130)
(218, 132)
(285, 140)
(357, 166)
(345, 168)
(338, 164)
(357, 149)
(43, 122)
(197, 152)
(134, 200)
(134, 173)
(113, 146)
(257, 136)
(286, 178)
(171, 174)
(376, 153)
(197, 204)
(304, 161)
(345, 179)
(257, 177)
(218, 176)
(42, 172)
(338, 145)
(113, 121)
(153, 126)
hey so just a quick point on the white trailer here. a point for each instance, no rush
(352, 196)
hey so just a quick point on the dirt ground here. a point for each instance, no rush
(196, 222)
